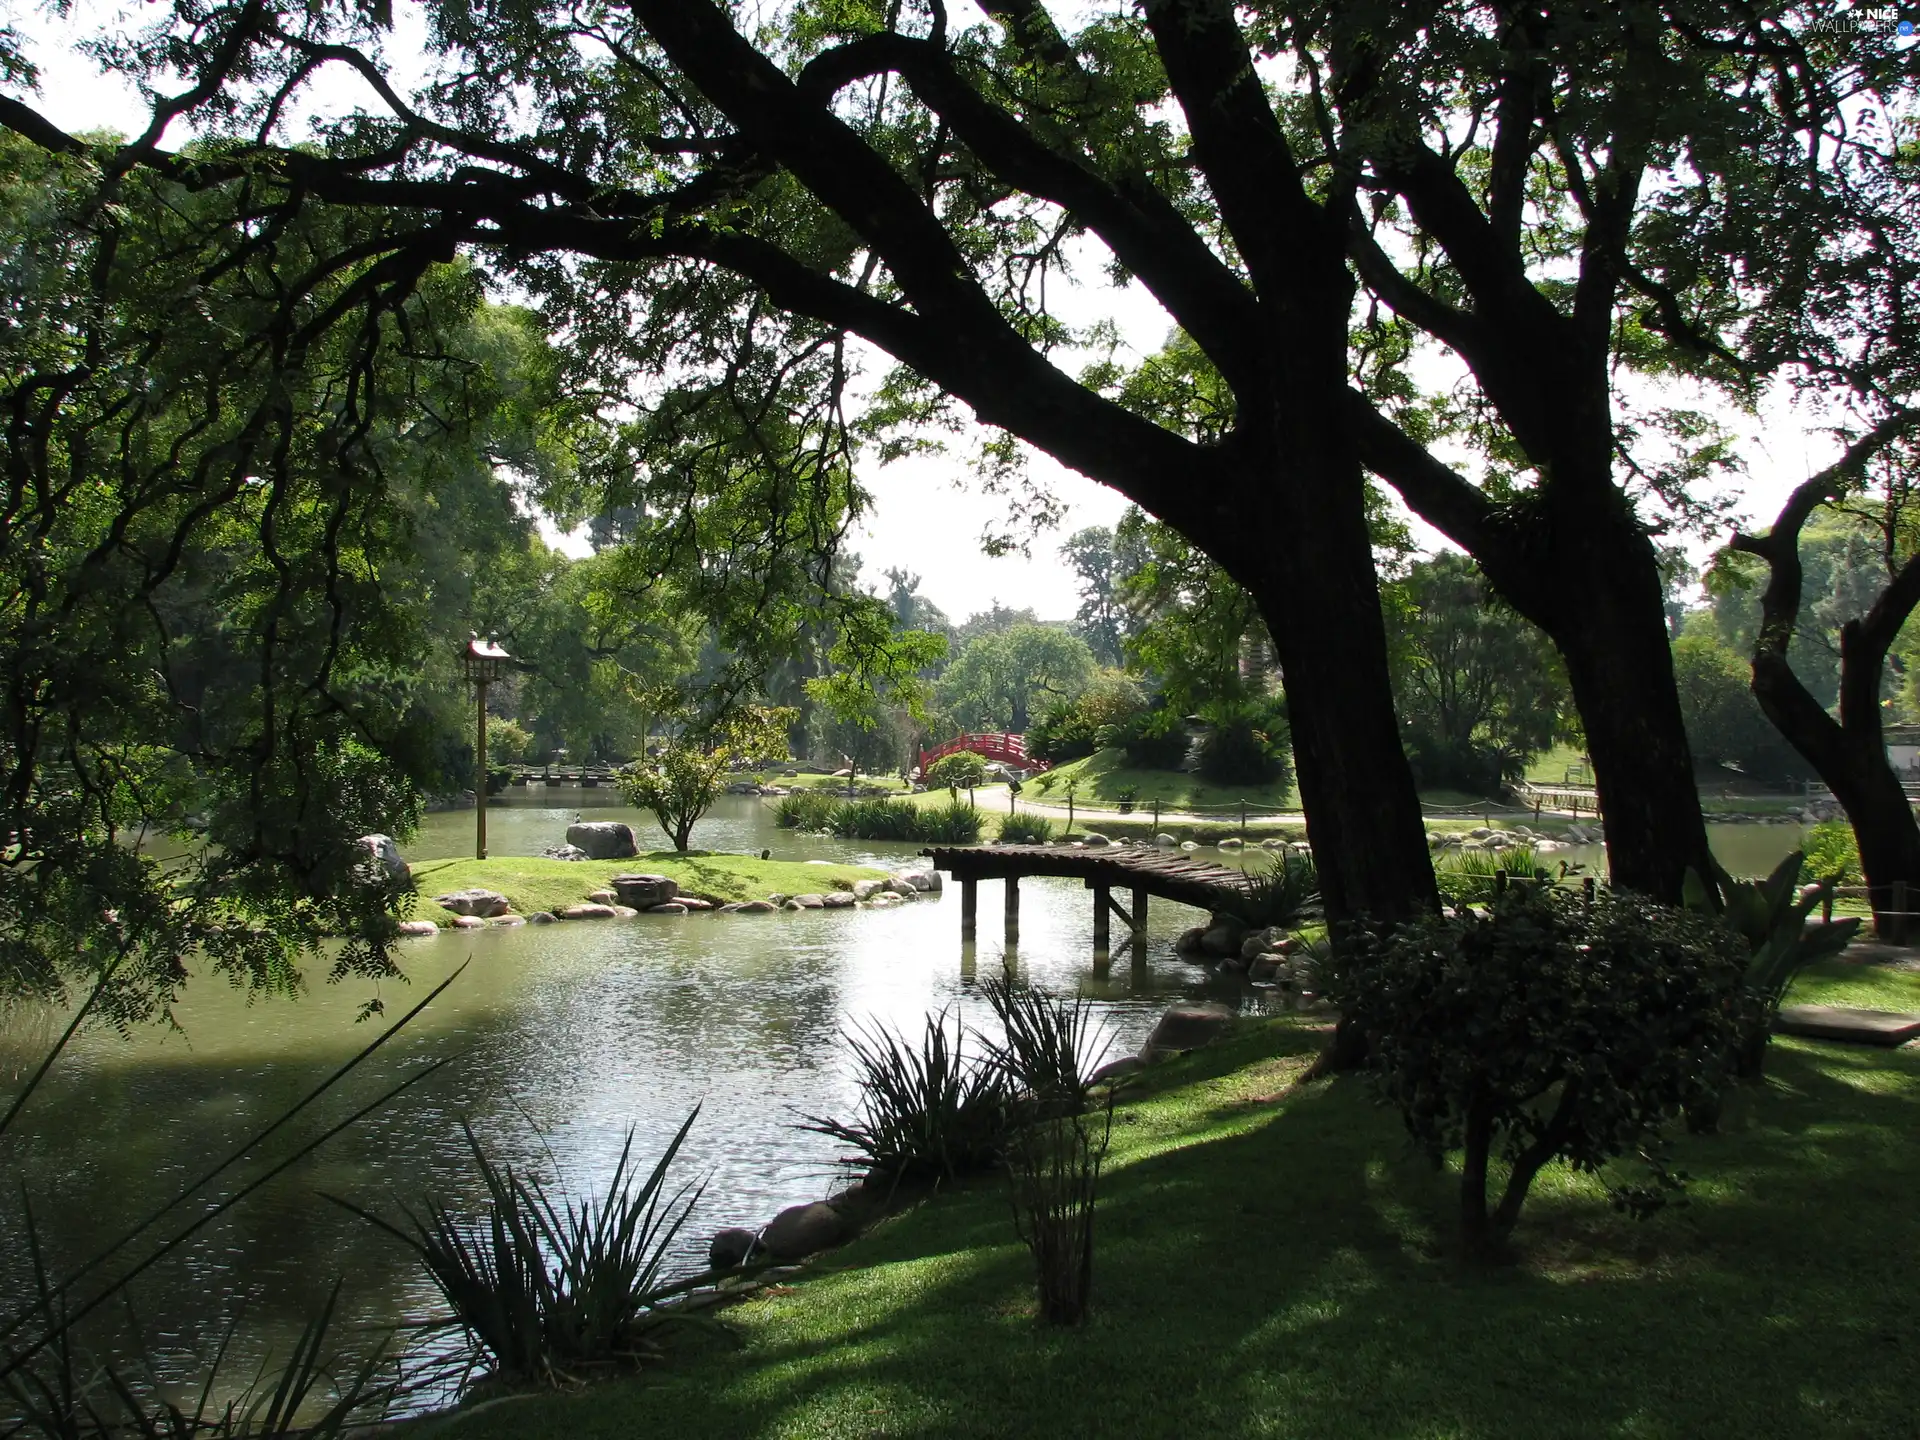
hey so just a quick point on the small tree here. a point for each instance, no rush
(963, 768)
(1543, 1029)
(507, 740)
(679, 784)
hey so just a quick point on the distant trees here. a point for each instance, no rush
(1004, 680)
(1478, 688)
(1725, 724)
(1099, 567)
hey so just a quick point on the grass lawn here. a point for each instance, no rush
(1550, 767)
(1101, 776)
(537, 883)
(1271, 1261)
(819, 780)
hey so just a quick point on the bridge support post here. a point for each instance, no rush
(1138, 924)
(969, 905)
(1101, 900)
(1013, 908)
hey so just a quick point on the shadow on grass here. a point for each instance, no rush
(1286, 1268)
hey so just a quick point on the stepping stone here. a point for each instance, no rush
(1843, 1022)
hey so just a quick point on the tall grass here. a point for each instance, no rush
(1049, 1046)
(934, 1113)
(952, 824)
(1025, 830)
(1467, 877)
(547, 1292)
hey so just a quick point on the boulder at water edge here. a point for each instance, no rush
(383, 861)
(867, 889)
(730, 1249)
(419, 927)
(603, 839)
(585, 912)
(468, 922)
(1165, 841)
(1223, 937)
(643, 892)
(669, 907)
(1116, 1070)
(839, 900)
(1189, 941)
(474, 902)
(542, 917)
(564, 852)
(802, 1230)
(1186, 1026)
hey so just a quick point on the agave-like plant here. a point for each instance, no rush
(546, 1291)
(1281, 892)
(1049, 1048)
(1771, 915)
(931, 1113)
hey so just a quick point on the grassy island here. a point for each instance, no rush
(1271, 1259)
(533, 882)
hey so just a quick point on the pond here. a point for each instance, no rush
(560, 1039)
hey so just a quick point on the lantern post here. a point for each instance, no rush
(484, 662)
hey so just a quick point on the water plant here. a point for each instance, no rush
(1469, 877)
(805, 810)
(545, 1291)
(926, 1114)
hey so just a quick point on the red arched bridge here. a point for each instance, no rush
(1009, 750)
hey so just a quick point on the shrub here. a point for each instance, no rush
(1246, 743)
(1024, 830)
(549, 1292)
(1126, 798)
(926, 1114)
(954, 824)
(1832, 851)
(507, 740)
(1280, 892)
(1545, 1029)
(962, 770)
(1150, 740)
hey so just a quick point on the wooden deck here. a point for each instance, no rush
(1171, 876)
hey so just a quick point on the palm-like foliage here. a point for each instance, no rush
(1281, 892)
(544, 1290)
(926, 1114)
(1050, 1045)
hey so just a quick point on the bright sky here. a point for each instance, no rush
(926, 516)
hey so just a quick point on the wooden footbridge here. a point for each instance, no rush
(1144, 872)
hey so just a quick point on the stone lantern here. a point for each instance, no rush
(482, 662)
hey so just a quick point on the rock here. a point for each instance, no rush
(1223, 938)
(1117, 1069)
(1230, 843)
(757, 907)
(1186, 1026)
(643, 892)
(419, 927)
(791, 905)
(474, 902)
(778, 898)
(1093, 840)
(603, 897)
(1189, 941)
(1273, 842)
(667, 907)
(1165, 841)
(731, 908)
(468, 922)
(585, 912)
(542, 917)
(867, 889)
(508, 919)
(730, 1249)
(921, 880)
(1263, 967)
(603, 839)
(383, 862)
(802, 1230)
(807, 902)
(624, 912)
(564, 852)
(902, 886)
(839, 900)
(1479, 832)
(1189, 845)
(883, 899)
(693, 902)
(1254, 945)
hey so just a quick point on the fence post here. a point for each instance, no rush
(1586, 890)
(1243, 819)
(1069, 809)
(1156, 817)
(1899, 914)
(1500, 882)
